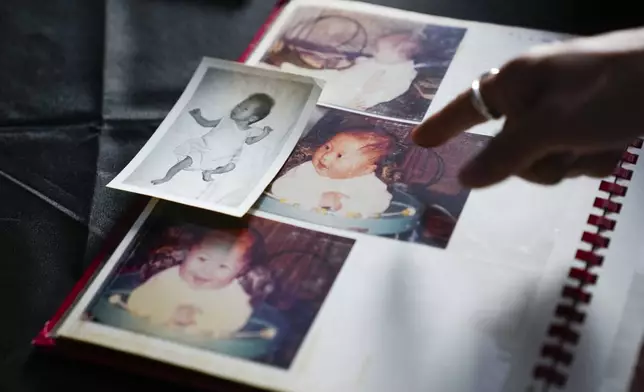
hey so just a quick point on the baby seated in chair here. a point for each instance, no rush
(202, 295)
(371, 80)
(341, 176)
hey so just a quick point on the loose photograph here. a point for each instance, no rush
(246, 288)
(364, 174)
(371, 62)
(225, 139)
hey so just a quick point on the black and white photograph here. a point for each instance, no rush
(225, 139)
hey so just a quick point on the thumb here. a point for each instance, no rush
(509, 153)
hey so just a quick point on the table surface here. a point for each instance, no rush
(82, 86)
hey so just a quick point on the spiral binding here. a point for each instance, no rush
(556, 355)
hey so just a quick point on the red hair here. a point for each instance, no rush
(374, 143)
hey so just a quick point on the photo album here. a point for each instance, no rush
(297, 240)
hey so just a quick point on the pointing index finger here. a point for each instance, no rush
(458, 115)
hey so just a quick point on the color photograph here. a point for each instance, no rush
(364, 174)
(225, 139)
(370, 62)
(246, 288)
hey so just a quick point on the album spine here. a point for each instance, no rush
(557, 353)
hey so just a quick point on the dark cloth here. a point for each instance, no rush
(83, 84)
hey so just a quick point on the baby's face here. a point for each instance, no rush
(217, 261)
(343, 157)
(394, 49)
(245, 111)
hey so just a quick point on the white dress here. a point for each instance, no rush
(366, 195)
(232, 188)
(222, 311)
(218, 147)
(365, 84)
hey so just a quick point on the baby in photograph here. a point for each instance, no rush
(340, 177)
(371, 80)
(218, 151)
(202, 295)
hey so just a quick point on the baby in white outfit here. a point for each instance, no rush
(371, 80)
(217, 151)
(201, 295)
(340, 177)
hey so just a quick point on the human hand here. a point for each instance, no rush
(332, 200)
(570, 109)
(224, 169)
